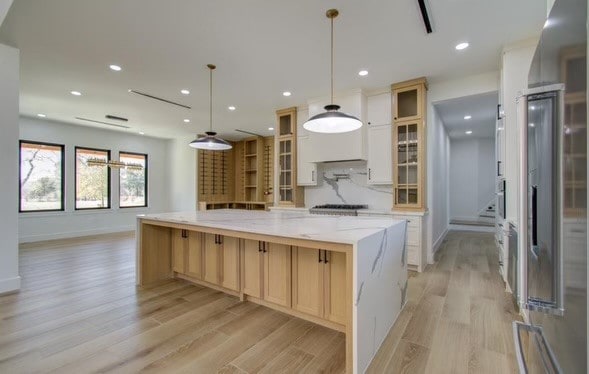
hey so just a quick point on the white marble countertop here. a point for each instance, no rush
(298, 225)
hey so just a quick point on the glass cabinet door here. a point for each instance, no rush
(408, 103)
(407, 163)
(285, 179)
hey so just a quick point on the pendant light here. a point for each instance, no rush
(210, 141)
(332, 121)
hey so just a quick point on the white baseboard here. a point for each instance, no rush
(74, 234)
(9, 285)
(437, 245)
(471, 228)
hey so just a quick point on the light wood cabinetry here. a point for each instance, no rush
(266, 271)
(317, 278)
(178, 250)
(216, 175)
(194, 255)
(415, 241)
(221, 261)
(409, 145)
(286, 142)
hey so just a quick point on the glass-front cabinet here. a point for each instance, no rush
(288, 192)
(409, 145)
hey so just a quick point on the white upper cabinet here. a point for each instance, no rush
(344, 146)
(380, 158)
(306, 168)
(379, 109)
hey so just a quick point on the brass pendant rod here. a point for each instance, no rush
(332, 60)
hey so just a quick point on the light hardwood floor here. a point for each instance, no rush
(79, 312)
(457, 318)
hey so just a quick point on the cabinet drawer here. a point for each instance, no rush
(413, 236)
(413, 255)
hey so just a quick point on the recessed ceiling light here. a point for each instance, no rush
(115, 67)
(76, 93)
(231, 107)
(286, 93)
(186, 120)
(532, 125)
(462, 46)
(468, 132)
(271, 128)
(185, 92)
(467, 117)
(363, 73)
(533, 107)
(41, 115)
(141, 133)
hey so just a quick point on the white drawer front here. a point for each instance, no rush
(413, 255)
(413, 237)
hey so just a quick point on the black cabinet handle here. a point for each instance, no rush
(319, 255)
(220, 239)
(325, 256)
(534, 216)
(264, 247)
(369, 173)
(259, 246)
(498, 168)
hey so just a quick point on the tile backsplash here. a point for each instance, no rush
(346, 183)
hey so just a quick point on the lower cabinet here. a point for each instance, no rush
(319, 279)
(179, 250)
(266, 271)
(194, 265)
(221, 261)
(414, 241)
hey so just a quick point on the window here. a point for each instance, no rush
(92, 178)
(133, 181)
(41, 176)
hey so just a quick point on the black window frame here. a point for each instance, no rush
(109, 178)
(62, 146)
(145, 177)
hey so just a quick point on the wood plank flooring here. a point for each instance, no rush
(79, 311)
(457, 318)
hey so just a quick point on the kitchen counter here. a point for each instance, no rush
(345, 273)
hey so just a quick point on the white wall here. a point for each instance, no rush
(440, 147)
(182, 175)
(9, 92)
(472, 176)
(71, 223)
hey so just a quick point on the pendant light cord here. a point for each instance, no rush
(211, 100)
(331, 61)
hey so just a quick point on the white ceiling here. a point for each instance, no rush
(482, 108)
(261, 48)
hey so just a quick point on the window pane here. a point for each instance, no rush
(41, 177)
(92, 179)
(133, 182)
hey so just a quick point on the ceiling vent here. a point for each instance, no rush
(425, 15)
(102, 123)
(159, 99)
(116, 118)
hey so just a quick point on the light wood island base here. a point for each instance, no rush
(323, 281)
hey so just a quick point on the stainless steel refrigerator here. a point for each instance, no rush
(552, 120)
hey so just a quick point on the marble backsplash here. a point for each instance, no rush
(346, 183)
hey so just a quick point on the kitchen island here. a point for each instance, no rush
(346, 273)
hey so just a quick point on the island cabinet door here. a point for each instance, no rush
(211, 258)
(277, 274)
(178, 250)
(251, 276)
(230, 262)
(307, 280)
(194, 264)
(335, 286)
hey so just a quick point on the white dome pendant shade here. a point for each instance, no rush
(210, 141)
(332, 121)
